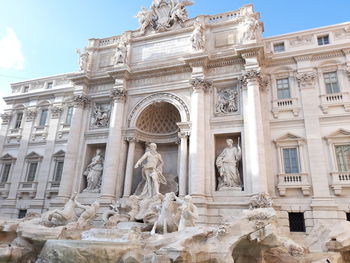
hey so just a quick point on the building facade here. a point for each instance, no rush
(188, 85)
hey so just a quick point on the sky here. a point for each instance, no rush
(39, 37)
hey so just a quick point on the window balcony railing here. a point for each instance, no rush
(27, 188)
(52, 188)
(284, 105)
(340, 180)
(293, 181)
(4, 189)
(335, 99)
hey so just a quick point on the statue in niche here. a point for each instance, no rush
(197, 37)
(227, 164)
(100, 117)
(152, 172)
(83, 60)
(121, 51)
(93, 173)
(227, 101)
(250, 28)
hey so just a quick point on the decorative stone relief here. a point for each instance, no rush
(56, 111)
(198, 37)
(227, 164)
(118, 94)
(250, 28)
(227, 101)
(121, 51)
(301, 40)
(100, 115)
(80, 101)
(93, 173)
(6, 118)
(261, 200)
(199, 84)
(343, 33)
(31, 114)
(83, 60)
(163, 15)
(306, 79)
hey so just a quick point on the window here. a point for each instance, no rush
(19, 118)
(25, 89)
(69, 115)
(22, 213)
(49, 85)
(331, 82)
(5, 171)
(43, 117)
(296, 222)
(291, 160)
(58, 172)
(32, 171)
(347, 216)
(278, 47)
(323, 40)
(283, 91)
(342, 153)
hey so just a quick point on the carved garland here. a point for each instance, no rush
(158, 96)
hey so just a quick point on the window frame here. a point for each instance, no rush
(279, 44)
(283, 89)
(297, 158)
(15, 126)
(322, 37)
(26, 89)
(68, 113)
(336, 157)
(7, 159)
(325, 83)
(49, 85)
(32, 157)
(41, 115)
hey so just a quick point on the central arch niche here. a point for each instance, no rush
(158, 123)
(159, 118)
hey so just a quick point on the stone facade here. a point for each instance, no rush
(188, 85)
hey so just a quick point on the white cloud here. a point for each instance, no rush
(11, 56)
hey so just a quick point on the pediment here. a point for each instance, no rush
(33, 155)
(341, 133)
(289, 137)
(60, 153)
(7, 157)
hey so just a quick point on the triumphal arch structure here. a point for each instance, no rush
(232, 115)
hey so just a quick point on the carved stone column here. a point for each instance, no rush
(70, 160)
(254, 132)
(129, 167)
(113, 150)
(183, 163)
(197, 139)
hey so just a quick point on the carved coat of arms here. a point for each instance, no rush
(163, 15)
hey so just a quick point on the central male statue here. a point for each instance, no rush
(152, 172)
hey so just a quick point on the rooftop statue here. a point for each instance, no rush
(163, 15)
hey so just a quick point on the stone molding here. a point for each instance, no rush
(80, 101)
(118, 94)
(199, 84)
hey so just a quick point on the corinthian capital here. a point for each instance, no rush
(199, 84)
(31, 114)
(80, 101)
(6, 118)
(252, 74)
(306, 79)
(118, 94)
